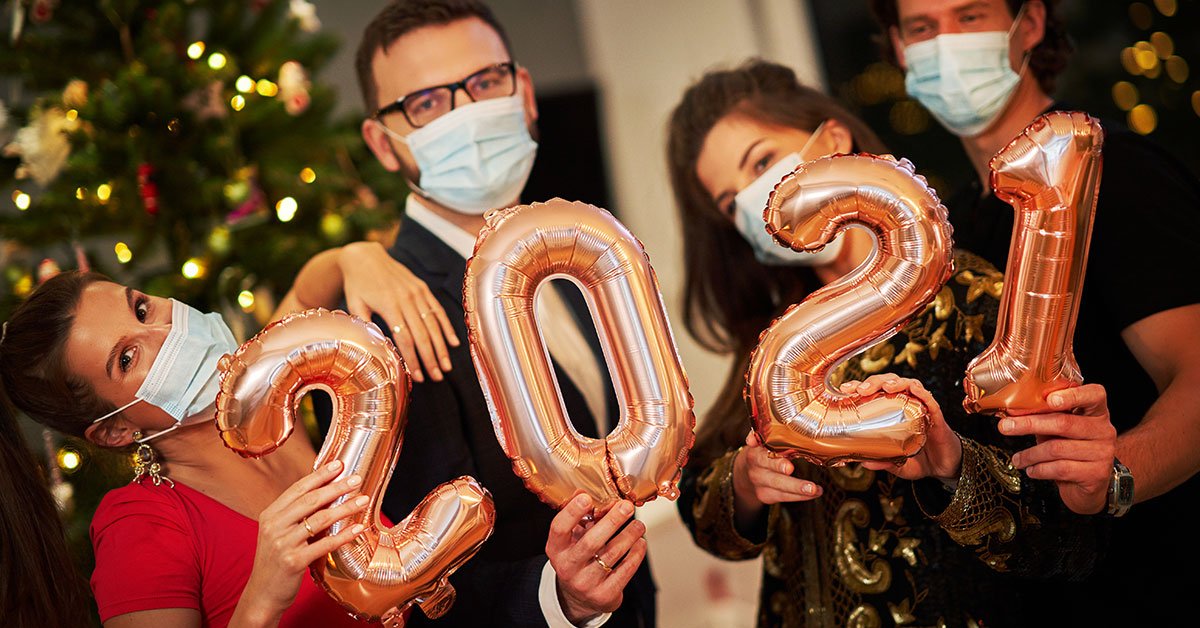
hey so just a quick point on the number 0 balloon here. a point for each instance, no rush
(1050, 175)
(382, 571)
(795, 411)
(517, 252)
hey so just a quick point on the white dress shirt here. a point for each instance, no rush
(569, 349)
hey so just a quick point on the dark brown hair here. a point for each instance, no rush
(401, 17)
(729, 297)
(39, 584)
(1047, 60)
(33, 357)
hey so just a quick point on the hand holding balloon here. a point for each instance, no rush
(760, 478)
(1076, 446)
(941, 457)
(794, 410)
(286, 547)
(378, 572)
(594, 560)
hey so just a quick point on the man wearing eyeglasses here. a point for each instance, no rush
(454, 114)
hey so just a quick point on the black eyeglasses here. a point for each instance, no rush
(425, 106)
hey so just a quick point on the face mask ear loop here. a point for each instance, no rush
(117, 411)
(1025, 56)
(142, 441)
(803, 152)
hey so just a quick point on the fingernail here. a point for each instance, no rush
(417, 377)
(446, 364)
(582, 500)
(1016, 460)
(333, 466)
(357, 529)
(454, 341)
(624, 508)
(1056, 401)
(1007, 425)
(361, 500)
(436, 375)
(809, 489)
(355, 480)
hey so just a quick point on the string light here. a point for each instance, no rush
(286, 208)
(1166, 7)
(69, 459)
(1177, 69)
(308, 175)
(72, 115)
(1163, 45)
(245, 299)
(20, 199)
(196, 50)
(237, 102)
(80, 193)
(23, 286)
(193, 268)
(1143, 119)
(103, 192)
(244, 84)
(266, 88)
(123, 252)
(216, 61)
(1125, 95)
(1129, 61)
(333, 226)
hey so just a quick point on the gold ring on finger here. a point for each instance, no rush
(308, 527)
(600, 561)
(397, 328)
(424, 314)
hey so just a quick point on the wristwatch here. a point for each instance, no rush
(1120, 490)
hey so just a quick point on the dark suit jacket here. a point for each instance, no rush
(450, 433)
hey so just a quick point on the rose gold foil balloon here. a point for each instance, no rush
(794, 410)
(1050, 175)
(382, 571)
(516, 253)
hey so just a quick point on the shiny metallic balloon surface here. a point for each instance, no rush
(517, 253)
(793, 408)
(382, 571)
(1050, 174)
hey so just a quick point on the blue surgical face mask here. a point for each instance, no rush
(964, 79)
(750, 203)
(475, 158)
(183, 379)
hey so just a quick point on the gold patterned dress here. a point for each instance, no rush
(875, 550)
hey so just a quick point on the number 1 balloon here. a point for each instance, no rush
(794, 409)
(1050, 174)
(383, 571)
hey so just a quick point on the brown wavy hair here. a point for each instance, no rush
(1047, 60)
(39, 584)
(401, 17)
(729, 297)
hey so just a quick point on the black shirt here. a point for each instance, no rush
(1140, 263)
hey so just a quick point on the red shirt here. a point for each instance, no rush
(162, 547)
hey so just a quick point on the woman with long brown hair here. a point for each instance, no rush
(852, 545)
(202, 537)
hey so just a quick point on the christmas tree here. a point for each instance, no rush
(182, 147)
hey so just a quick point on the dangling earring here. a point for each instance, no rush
(145, 463)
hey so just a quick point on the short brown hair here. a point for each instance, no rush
(1047, 60)
(401, 17)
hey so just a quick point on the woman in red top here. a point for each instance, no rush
(226, 541)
